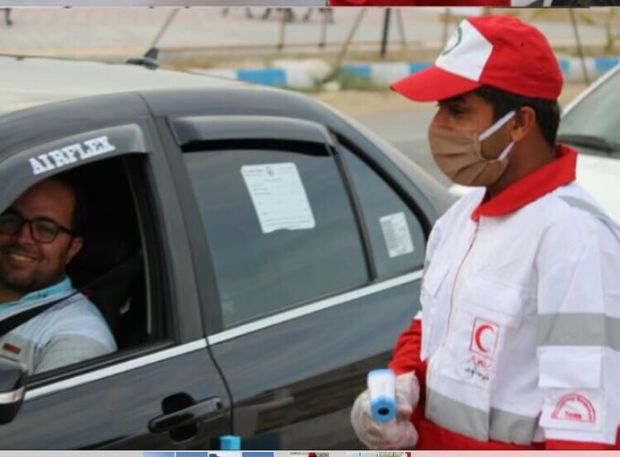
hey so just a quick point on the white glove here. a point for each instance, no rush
(398, 433)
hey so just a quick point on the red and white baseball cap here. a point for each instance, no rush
(497, 51)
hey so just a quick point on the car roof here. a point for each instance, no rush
(28, 82)
(591, 88)
(64, 97)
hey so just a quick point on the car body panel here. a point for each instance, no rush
(113, 411)
(285, 374)
(597, 169)
(599, 175)
(292, 375)
(51, 80)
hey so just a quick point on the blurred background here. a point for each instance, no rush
(345, 57)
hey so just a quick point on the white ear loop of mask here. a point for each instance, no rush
(494, 128)
(506, 151)
(498, 125)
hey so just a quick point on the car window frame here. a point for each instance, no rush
(407, 199)
(148, 207)
(384, 176)
(577, 102)
(149, 236)
(216, 331)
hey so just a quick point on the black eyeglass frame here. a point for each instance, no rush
(33, 233)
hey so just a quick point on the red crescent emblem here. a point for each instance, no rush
(478, 336)
(483, 338)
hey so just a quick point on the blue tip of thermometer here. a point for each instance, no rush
(382, 388)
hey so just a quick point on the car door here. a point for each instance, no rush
(311, 263)
(164, 392)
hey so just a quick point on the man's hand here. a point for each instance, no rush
(395, 434)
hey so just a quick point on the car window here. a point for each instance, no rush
(396, 236)
(279, 225)
(111, 312)
(110, 267)
(597, 114)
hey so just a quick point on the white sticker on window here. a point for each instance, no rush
(278, 196)
(396, 234)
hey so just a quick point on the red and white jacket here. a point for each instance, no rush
(495, 3)
(519, 345)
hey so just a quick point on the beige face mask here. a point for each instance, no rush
(459, 155)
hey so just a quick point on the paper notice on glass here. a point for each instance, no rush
(396, 234)
(278, 196)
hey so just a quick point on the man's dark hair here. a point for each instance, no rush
(547, 111)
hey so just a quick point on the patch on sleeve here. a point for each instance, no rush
(8, 347)
(579, 410)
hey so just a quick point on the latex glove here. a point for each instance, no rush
(398, 433)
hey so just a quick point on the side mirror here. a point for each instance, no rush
(12, 388)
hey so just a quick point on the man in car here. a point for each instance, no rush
(39, 235)
(516, 347)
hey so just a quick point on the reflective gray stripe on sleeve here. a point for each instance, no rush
(512, 428)
(594, 211)
(586, 206)
(577, 329)
(460, 418)
(456, 416)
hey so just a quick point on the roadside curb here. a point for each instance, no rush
(387, 73)
(299, 73)
(291, 74)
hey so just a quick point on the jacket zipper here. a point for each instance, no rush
(458, 271)
(456, 278)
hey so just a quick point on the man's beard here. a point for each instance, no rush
(12, 279)
(23, 286)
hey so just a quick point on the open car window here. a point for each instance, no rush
(116, 269)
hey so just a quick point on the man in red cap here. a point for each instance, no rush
(494, 3)
(518, 344)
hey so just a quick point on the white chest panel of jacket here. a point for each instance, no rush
(521, 321)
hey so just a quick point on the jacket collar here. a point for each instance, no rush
(541, 181)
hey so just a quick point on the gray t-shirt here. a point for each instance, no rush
(70, 331)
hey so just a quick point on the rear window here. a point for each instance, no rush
(279, 225)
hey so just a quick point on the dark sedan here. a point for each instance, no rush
(254, 252)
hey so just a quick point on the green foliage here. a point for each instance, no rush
(350, 81)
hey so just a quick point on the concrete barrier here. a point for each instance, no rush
(297, 74)
(307, 74)
(385, 73)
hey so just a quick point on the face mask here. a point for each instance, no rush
(459, 155)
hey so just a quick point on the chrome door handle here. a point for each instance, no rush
(210, 408)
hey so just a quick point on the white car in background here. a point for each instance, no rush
(591, 124)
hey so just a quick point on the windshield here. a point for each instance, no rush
(597, 115)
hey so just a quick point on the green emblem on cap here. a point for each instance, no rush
(453, 42)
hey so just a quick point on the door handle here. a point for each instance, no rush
(209, 408)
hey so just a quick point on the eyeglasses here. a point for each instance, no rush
(41, 229)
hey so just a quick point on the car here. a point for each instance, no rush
(254, 252)
(591, 124)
